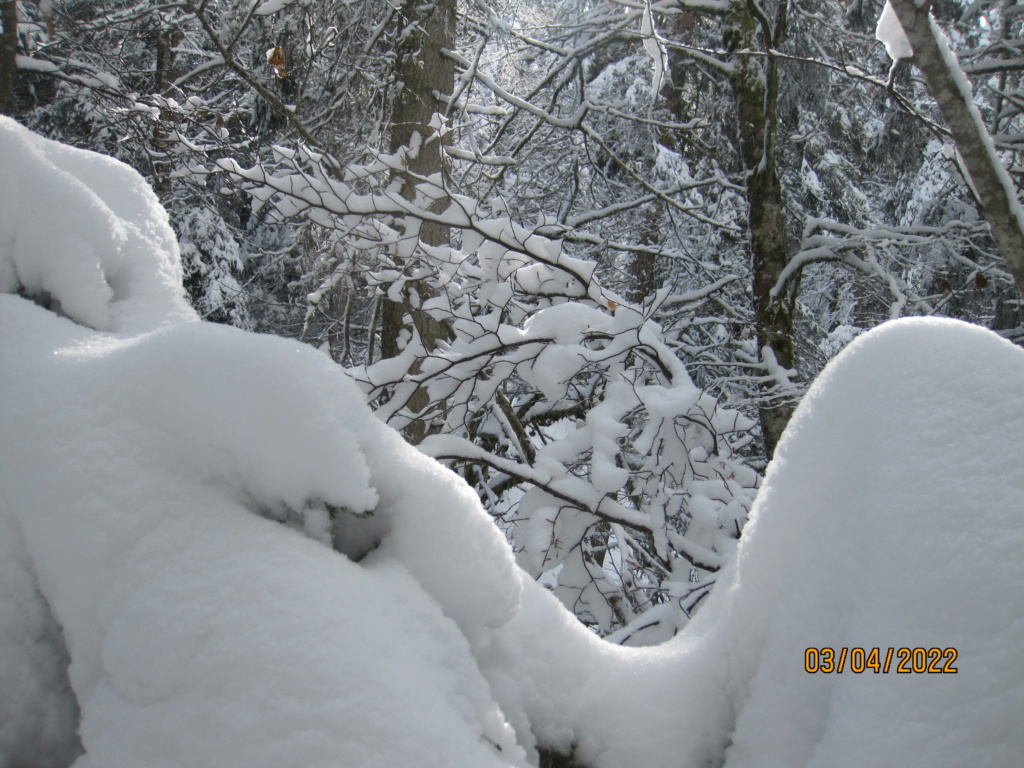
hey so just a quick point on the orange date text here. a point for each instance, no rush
(902, 661)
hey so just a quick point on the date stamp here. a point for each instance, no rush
(902, 661)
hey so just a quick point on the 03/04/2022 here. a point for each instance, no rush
(902, 661)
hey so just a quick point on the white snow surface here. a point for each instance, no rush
(164, 496)
(200, 633)
(890, 33)
(892, 516)
(86, 234)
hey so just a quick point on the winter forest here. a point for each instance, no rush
(502, 383)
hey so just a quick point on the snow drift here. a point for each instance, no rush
(212, 554)
(87, 235)
(198, 632)
(892, 517)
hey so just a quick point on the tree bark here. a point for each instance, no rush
(8, 52)
(163, 77)
(991, 183)
(422, 70)
(755, 89)
(643, 266)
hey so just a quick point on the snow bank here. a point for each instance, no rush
(85, 235)
(38, 712)
(893, 516)
(166, 493)
(201, 633)
(138, 469)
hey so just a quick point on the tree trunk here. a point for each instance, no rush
(162, 79)
(755, 89)
(421, 69)
(643, 265)
(993, 186)
(8, 52)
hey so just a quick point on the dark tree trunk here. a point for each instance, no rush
(162, 79)
(8, 52)
(422, 69)
(643, 265)
(755, 89)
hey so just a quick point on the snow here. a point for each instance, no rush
(655, 49)
(271, 7)
(890, 33)
(139, 469)
(200, 630)
(893, 516)
(783, 376)
(173, 591)
(148, 454)
(86, 234)
(38, 712)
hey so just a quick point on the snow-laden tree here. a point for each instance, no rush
(715, 144)
(233, 82)
(558, 399)
(910, 32)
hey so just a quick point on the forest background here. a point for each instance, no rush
(588, 254)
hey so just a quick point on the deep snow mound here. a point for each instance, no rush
(139, 470)
(182, 509)
(86, 236)
(892, 517)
